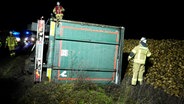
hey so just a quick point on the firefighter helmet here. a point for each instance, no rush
(10, 32)
(58, 3)
(143, 39)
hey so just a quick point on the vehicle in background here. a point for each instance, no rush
(29, 37)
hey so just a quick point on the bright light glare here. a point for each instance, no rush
(26, 39)
(18, 39)
(32, 39)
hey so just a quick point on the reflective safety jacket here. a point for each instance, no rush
(140, 54)
(11, 41)
(58, 10)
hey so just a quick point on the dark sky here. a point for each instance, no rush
(153, 19)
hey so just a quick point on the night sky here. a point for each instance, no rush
(152, 19)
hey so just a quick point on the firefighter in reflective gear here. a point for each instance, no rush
(11, 42)
(58, 11)
(139, 53)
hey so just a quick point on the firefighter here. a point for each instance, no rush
(139, 53)
(58, 11)
(11, 42)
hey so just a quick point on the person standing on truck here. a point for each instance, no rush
(139, 53)
(11, 42)
(58, 11)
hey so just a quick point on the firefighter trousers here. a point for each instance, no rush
(11, 50)
(59, 16)
(138, 71)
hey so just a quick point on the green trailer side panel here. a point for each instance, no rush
(86, 32)
(89, 49)
(82, 55)
(73, 75)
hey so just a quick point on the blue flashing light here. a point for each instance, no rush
(16, 33)
(27, 32)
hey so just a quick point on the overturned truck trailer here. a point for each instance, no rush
(80, 51)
